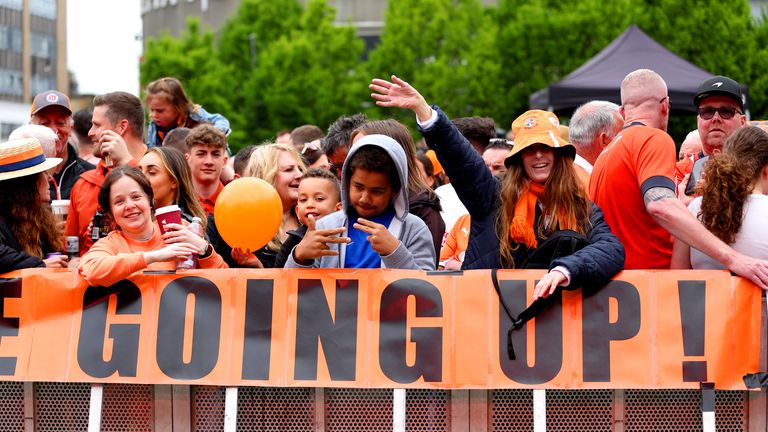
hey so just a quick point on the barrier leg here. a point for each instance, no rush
(94, 413)
(398, 410)
(539, 411)
(230, 410)
(708, 407)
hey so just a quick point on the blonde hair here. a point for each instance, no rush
(263, 164)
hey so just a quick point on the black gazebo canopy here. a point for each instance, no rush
(600, 77)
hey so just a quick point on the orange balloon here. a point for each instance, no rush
(248, 213)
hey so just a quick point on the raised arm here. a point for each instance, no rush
(474, 184)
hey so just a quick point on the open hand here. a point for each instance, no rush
(382, 241)
(750, 268)
(548, 284)
(400, 94)
(315, 242)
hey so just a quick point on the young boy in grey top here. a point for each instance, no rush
(374, 214)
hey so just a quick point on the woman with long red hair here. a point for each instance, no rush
(539, 196)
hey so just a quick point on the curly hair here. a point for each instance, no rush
(32, 224)
(563, 194)
(730, 178)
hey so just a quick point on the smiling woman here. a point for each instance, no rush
(126, 197)
(539, 197)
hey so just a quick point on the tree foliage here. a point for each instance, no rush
(309, 75)
(278, 64)
(190, 58)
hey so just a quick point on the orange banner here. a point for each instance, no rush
(378, 328)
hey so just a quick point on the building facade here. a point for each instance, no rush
(33, 56)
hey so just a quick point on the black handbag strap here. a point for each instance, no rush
(526, 315)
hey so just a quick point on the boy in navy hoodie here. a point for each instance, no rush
(380, 231)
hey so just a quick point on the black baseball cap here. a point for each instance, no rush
(50, 98)
(720, 85)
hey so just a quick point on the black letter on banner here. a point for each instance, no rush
(598, 332)
(258, 328)
(339, 336)
(548, 359)
(693, 308)
(206, 332)
(9, 288)
(393, 334)
(125, 346)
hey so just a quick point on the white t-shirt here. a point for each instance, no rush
(751, 240)
(451, 204)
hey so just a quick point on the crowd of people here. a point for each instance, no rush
(608, 192)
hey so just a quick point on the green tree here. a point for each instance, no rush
(308, 75)
(542, 41)
(445, 48)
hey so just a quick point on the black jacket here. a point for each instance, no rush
(426, 205)
(11, 255)
(479, 192)
(294, 238)
(70, 173)
(265, 255)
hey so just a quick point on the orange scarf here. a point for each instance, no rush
(521, 227)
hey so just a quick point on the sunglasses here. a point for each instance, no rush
(726, 113)
(500, 141)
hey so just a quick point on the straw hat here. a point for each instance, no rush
(538, 127)
(23, 157)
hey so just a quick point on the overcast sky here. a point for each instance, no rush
(102, 49)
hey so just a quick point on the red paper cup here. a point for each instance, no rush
(166, 215)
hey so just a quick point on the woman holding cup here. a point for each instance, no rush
(29, 235)
(168, 173)
(139, 243)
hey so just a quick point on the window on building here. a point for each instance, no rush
(12, 4)
(11, 82)
(41, 83)
(6, 129)
(43, 8)
(10, 38)
(42, 45)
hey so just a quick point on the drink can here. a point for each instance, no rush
(73, 246)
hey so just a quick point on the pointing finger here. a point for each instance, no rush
(310, 223)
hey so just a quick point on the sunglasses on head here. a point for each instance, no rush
(726, 113)
(314, 146)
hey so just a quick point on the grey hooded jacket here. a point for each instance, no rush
(415, 251)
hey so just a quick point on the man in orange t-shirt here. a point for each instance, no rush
(633, 183)
(117, 131)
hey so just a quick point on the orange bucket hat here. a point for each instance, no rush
(538, 127)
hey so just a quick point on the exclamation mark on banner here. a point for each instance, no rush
(693, 295)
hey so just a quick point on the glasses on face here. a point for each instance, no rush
(314, 146)
(726, 113)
